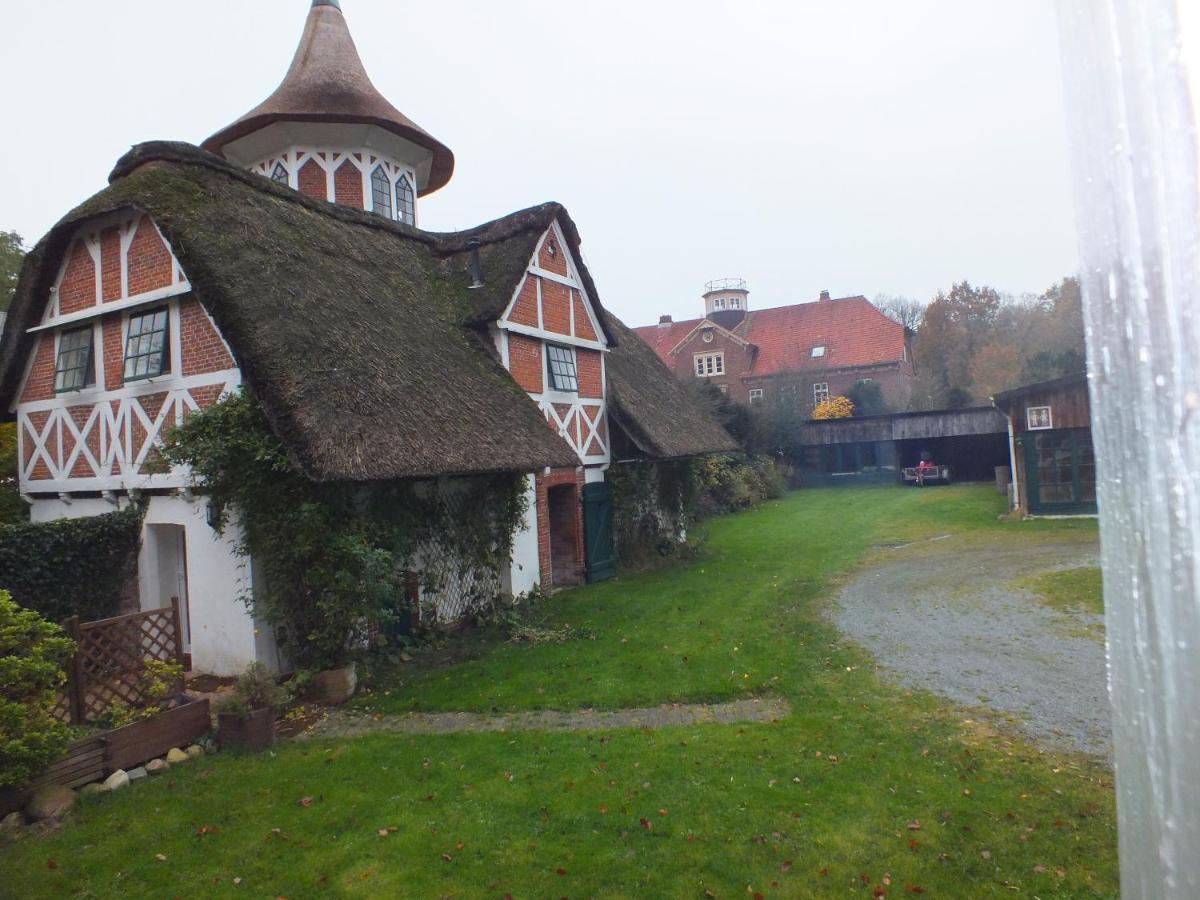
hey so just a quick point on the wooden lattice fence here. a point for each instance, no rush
(110, 657)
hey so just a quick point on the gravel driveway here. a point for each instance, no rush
(946, 617)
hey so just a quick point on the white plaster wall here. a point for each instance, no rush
(224, 636)
(522, 574)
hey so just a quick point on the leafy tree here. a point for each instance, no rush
(834, 408)
(12, 253)
(33, 653)
(12, 508)
(867, 397)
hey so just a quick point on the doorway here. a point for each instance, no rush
(563, 506)
(166, 558)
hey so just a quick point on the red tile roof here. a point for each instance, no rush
(852, 330)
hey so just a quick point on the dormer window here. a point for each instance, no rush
(279, 174)
(405, 206)
(73, 369)
(146, 345)
(735, 303)
(560, 365)
(719, 303)
(381, 193)
(818, 352)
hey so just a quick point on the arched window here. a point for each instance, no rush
(405, 209)
(381, 192)
(280, 174)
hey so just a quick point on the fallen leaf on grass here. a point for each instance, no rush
(913, 889)
(205, 829)
(306, 801)
(914, 825)
(160, 857)
(560, 871)
(52, 864)
(824, 873)
(880, 891)
(786, 867)
(646, 823)
(237, 880)
(1039, 869)
(603, 809)
(986, 854)
(382, 832)
(446, 857)
(913, 844)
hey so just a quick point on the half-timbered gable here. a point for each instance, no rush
(550, 339)
(121, 350)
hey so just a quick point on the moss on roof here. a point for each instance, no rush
(362, 337)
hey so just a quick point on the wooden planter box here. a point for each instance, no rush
(134, 744)
(82, 762)
(251, 734)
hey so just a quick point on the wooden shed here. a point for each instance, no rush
(1050, 443)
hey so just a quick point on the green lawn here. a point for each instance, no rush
(1070, 589)
(818, 804)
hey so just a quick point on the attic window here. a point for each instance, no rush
(551, 249)
(818, 352)
(73, 367)
(405, 206)
(381, 192)
(560, 362)
(280, 174)
(146, 345)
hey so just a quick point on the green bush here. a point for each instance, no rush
(32, 655)
(71, 567)
(256, 688)
(734, 482)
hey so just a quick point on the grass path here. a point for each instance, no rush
(865, 789)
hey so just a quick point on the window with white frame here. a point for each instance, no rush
(406, 210)
(73, 367)
(818, 352)
(1037, 418)
(560, 366)
(735, 303)
(756, 395)
(820, 392)
(719, 303)
(146, 345)
(381, 193)
(709, 364)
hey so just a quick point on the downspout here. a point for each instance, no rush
(1015, 503)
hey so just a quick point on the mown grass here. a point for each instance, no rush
(819, 804)
(1070, 589)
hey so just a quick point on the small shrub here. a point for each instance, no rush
(256, 688)
(33, 653)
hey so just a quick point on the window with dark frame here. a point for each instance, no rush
(73, 367)
(146, 345)
(560, 362)
(405, 208)
(381, 193)
(279, 174)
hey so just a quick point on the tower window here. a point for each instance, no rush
(381, 193)
(146, 345)
(405, 207)
(73, 367)
(561, 363)
(735, 303)
(279, 174)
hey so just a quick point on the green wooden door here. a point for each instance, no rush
(1060, 471)
(597, 530)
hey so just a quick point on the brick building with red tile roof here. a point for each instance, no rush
(829, 344)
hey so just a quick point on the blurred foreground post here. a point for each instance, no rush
(1132, 88)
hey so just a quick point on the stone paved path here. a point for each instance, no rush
(344, 723)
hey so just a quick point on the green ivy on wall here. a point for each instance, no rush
(71, 567)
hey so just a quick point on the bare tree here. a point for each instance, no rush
(904, 310)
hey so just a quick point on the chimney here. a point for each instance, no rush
(824, 298)
(664, 320)
(476, 268)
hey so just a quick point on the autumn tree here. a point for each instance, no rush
(904, 310)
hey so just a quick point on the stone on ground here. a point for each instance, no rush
(157, 766)
(176, 756)
(194, 752)
(117, 780)
(12, 822)
(137, 774)
(96, 787)
(48, 801)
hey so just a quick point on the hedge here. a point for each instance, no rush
(71, 567)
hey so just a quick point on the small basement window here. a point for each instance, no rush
(146, 345)
(560, 363)
(709, 364)
(818, 352)
(756, 395)
(73, 367)
(1037, 418)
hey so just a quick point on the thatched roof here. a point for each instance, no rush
(653, 407)
(327, 82)
(360, 336)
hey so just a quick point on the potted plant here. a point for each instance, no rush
(246, 717)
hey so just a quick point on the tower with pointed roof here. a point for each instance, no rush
(327, 131)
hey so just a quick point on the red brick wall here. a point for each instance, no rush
(583, 325)
(555, 262)
(149, 261)
(203, 350)
(543, 483)
(110, 263)
(114, 353)
(525, 362)
(77, 290)
(588, 368)
(40, 384)
(524, 311)
(556, 307)
(348, 185)
(738, 359)
(310, 181)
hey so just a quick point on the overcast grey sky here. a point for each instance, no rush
(864, 148)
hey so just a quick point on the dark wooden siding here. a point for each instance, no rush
(906, 426)
(1069, 407)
